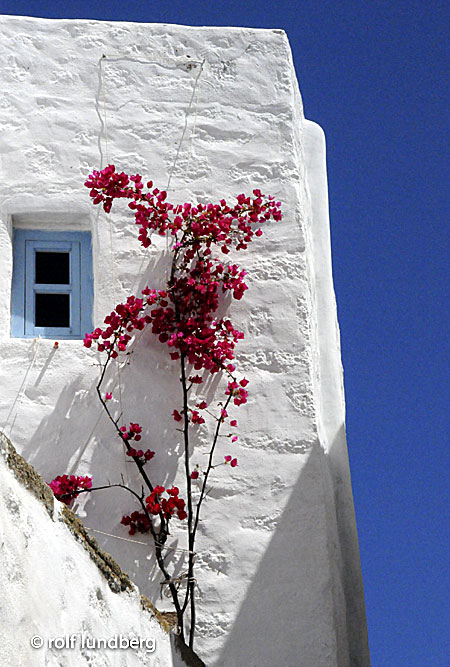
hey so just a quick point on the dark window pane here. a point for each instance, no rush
(52, 310)
(53, 268)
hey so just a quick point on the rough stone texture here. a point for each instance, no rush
(210, 112)
(51, 587)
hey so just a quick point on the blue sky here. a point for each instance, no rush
(372, 74)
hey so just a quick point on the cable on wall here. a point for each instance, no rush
(194, 89)
(23, 386)
(187, 64)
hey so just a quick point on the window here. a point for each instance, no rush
(52, 284)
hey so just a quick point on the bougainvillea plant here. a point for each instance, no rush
(183, 316)
(67, 488)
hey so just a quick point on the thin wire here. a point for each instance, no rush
(125, 539)
(82, 451)
(111, 243)
(194, 127)
(23, 385)
(182, 63)
(146, 544)
(111, 251)
(185, 122)
(120, 388)
(77, 461)
(103, 58)
(186, 119)
(140, 273)
(121, 412)
(105, 122)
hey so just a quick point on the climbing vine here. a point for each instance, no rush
(183, 316)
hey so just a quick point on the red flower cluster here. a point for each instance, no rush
(121, 323)
(233, 462)
(140, 454)
(137, 521)
(133, 433)
(65, 488)
(209, 224)
(107, 185)
(168, 506)
(184, 314)
(237, 391)
(195, 417)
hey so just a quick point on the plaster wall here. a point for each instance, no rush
(206, 113)
(62, 598)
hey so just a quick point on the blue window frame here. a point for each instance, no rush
(52, 288)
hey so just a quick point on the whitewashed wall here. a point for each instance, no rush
(63, 601)
(210, 112)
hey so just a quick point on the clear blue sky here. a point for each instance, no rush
(372, 74)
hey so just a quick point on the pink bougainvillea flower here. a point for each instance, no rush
(196, 419)
(66, 487)
(233, 462)
(137, 521)
(184, 316)
(156, 503)
(140, 454)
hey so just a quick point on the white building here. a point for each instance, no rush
(206, 113)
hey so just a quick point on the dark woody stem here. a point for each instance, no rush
(189, 243)
(160, 537)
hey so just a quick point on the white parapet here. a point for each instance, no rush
(206, 113)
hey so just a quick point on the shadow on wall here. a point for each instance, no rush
(78, 438)
(54, 442)
(295, 612)
(302, 602)
(62, 444)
